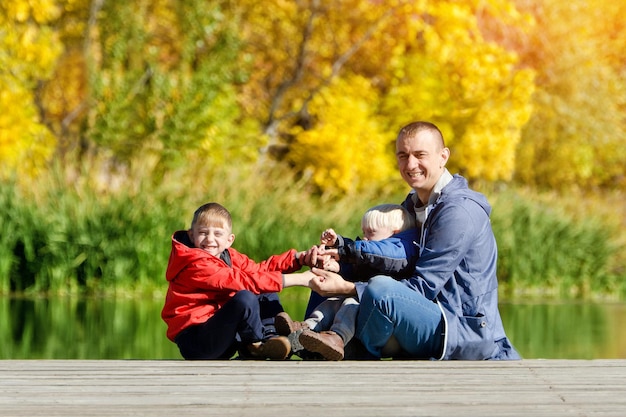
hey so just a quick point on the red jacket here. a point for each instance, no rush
(200, 283)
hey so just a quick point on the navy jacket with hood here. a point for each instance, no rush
(363, 259)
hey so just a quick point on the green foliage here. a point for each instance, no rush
(180, 102)
(545, 252)
(77, 241)
(81, 240)
(162, 81)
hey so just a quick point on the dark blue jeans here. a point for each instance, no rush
(390, 308)
(244, 319)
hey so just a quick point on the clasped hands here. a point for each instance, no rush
(323, 263)
(320, 257)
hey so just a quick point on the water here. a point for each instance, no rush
(60, 328)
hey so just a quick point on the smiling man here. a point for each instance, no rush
(422, 158)
(448, 308)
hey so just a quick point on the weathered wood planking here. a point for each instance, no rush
(308, 388)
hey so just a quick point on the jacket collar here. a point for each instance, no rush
(443, 180)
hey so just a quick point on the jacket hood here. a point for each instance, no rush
(183, 253)
(458, 189)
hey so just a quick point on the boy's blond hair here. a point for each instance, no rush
(212, 214)
(392, 216)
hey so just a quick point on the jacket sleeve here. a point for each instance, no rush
(388, 256)
(212, 274)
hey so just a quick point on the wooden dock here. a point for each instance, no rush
(312, 388)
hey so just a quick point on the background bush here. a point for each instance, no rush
(82, 241)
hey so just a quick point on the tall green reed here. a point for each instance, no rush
(546, 252)
(80, 241)
(83, 239)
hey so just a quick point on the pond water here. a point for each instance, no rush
(68, 328)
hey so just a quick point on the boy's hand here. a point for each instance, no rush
(328, 238)
(330, 264)
(333, 253)
(313, 257)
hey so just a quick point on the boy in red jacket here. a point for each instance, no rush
(219, 301)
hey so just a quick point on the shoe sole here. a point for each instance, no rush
(283, 324)
(313, 342)
(277, 348)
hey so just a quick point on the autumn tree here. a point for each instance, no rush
(521, 88)
(29, 48)
(446, 71)
(161, 80)
(576, 136)
(407, 60)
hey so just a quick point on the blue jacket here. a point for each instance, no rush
(363, 259)
(457, 269)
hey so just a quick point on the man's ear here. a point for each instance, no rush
(231, 239)
(190, 234)
(445, 155)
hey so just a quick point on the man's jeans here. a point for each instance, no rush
(390, 308)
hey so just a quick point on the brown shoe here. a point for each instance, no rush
(285, 326)
(275, 348)
(328, 344)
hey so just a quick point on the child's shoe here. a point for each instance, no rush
(275, 348)
(285, 325)
(327, 343)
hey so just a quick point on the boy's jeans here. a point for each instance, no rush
(337, 314)
(390, 308)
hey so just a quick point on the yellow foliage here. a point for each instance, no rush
(346, 149)
(25, 144)
(519, 88)
(447, 73)
(577, 134)
(65, 92)
(42, 11)
(29, 50)
(425, 60)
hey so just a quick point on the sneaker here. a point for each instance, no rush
(285, 325)
(327, 343)
(275, 348)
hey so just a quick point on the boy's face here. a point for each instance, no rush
(370, 233)
(213, 239)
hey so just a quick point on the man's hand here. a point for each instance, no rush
(328, 284)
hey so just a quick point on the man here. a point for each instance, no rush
(448, 308)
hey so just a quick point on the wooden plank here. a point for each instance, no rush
(312, 388)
